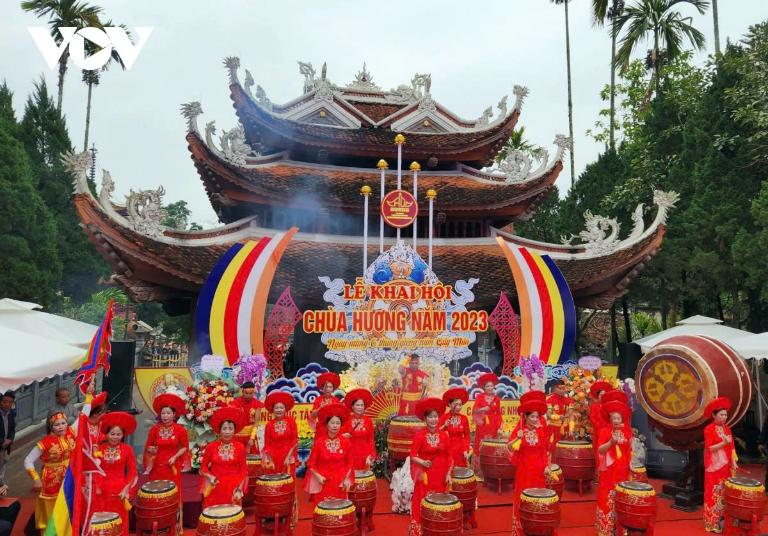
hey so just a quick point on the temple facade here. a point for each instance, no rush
(303, 163)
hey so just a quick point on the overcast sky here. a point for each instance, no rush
(475, 51)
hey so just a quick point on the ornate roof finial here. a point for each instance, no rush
(323, 71)
(399, 139)
(520, 93)
(232, 63)
(563, 143)
(248, 82)
(382, 164)
(415, 166)
(190, 111)
(306, 69)
(77, 164)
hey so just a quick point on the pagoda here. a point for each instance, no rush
(303, 163)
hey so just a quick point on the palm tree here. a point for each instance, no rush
(602, 11)
(93, 77)
(517, 142)
(717, 27)
(63, 13)
(660, 21)
(570, 95)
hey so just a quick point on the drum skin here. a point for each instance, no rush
(402, 430)
(334, 517)
(678, 377)
(744, 497)
(635, 505)
(539, 511)
(221, 520)
(441, 515)
(494, 460)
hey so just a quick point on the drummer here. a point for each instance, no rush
(614, 455)
(431, 461)
(223, 469)
(112, 490)
(719, 462)
(457, 426)
(251, 406)
(166, 452)
(329, 469)
(358, 428)
(529, 448)
(558, 410)
(415, 383)
(327, 382)
(280, 435)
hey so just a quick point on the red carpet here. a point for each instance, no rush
(493, 517)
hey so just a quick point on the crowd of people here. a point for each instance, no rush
(344, 443)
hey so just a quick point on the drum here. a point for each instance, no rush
(402, 430)
(253, 461)
(334, 517)
(221, 520)
(464, 487)
(441, 515)
(637, 473)
(106, 524)
(635, 505)
(677, 378)
(157, 508)
(363, 492)
(555, 480)
(576, 459)
(494, 460)
(274, 495)
(744, 498)
(539, 511)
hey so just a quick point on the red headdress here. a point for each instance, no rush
(168, 400)
(616, 395)
(358, 394)
(332, 410)
(533, 395)
(98, 400)
(599, 386)
(328, 377)
(456, 393)
(426, 405)
(718, 404)
(531, 405)
(228, 413)
(125, 421)
(615, 406)
(279, 397)
(487, 377)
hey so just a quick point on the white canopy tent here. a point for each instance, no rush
(695, 325)
(38, 345)
(753, 346)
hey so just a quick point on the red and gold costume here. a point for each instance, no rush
(280, 437)
(557, 406)
(717, 466)
(612, 466)
(331, 458)
(251, 408)
(169, 440)
(435, 448)
(530, 447)
(596, 412)
(119, 465)
(225, 461)
(487, 423)
(360, 430)
(457, 426)
(54, 452)
(414, 385)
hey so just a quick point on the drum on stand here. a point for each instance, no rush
(635, 506)
(539, 511)
(334, 517)
(274, 499)
(744, 501)
(494, 461)
(464, 487)
(577, 460)
(441, 515)
(221, 520)
(363, 496)
(157, 508)
(106, 524)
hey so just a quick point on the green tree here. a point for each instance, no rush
(44, 133)
(660, 21)
(570, 92)
(517, 142)
(29, 265)
(63, 13)
(177, 215)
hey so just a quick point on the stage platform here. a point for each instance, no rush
(493, 516)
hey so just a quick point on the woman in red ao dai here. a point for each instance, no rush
(223, 469)
(359, 429)
(457, 426)
(330, 472)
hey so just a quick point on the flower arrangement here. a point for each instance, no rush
(533, 375)
(196, 454)
(204, 398)
(251, 368)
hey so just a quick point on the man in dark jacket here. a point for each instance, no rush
(7, 429)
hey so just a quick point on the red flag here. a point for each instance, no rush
(99, 351)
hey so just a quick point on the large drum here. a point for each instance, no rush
(464, 487)
(334, 517)
(222, 520)
(494, 460)
(253, 461)
(635, 505)
(441, 515)
(744, 498)
(539, 511)
(576, 459)
(274, 495)
(157, 508)
(677, 378)
(402, 430)
(106, 524)
(555, 480)
(363, 492)
(638, 473)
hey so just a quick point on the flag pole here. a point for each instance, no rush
(365, 191)
(399, 141)
(415, 167)
(383, 166)
(431, 195)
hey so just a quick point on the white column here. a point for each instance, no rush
(365, 191)
(382, 165)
